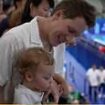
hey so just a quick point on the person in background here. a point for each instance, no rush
(36, 8)
(13, 15)
(69, 19)
(92, 76)
(16, 14)
(3, 17)
(23, 11)
(102, 81)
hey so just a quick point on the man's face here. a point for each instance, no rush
(65, 30)
(43, 77)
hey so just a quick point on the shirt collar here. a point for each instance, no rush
(34, 93)
(35, 35)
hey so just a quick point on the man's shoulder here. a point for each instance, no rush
(18, 31)
(21, 28)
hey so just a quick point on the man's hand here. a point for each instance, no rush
(58, 88)
(54, 91)
(65, 87)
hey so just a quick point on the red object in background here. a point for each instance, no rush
(102, 49)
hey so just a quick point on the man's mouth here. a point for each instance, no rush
(60, 39)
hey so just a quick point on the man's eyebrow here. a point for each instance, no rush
(75, 31)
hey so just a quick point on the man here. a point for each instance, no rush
(92, 76)
(69, 19)
(102, 81)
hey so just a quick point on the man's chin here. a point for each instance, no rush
(55, 44)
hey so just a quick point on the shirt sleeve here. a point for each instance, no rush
(6, 58)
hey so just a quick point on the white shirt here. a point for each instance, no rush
(59, 59)
(24, 95)
(16, 39)
(102, 76)
(93, 77)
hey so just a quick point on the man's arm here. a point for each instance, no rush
(6, 59)
(64, 85)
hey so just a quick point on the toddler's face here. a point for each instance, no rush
(43, 77)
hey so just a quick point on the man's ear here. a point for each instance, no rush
(58, 15)
(29, 76)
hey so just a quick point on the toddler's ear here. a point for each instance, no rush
(28, 76)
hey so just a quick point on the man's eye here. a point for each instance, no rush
(46, 78)
(45, 9)
(74, 33)
(71, 31)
